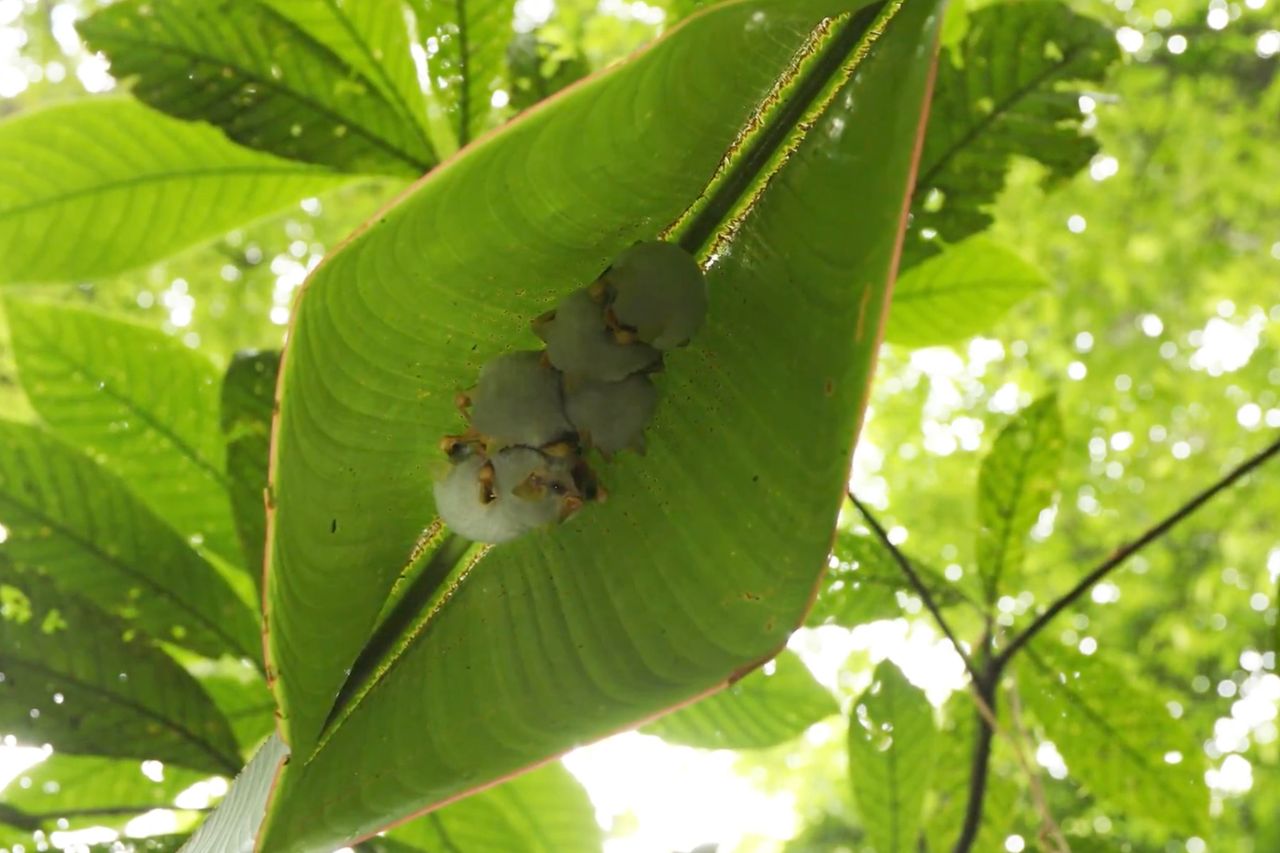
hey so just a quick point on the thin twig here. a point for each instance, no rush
(1050, 834)
(984, 690)
(914, 578)
(1123, 553)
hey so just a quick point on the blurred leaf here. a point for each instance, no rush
(959, 293)
(892, 751)
(831, 833)
(538, 68)
(248, 400)
(864, 584)
(860, 586)
(677, 10)
(1117, 737)
(241, 695)
(121, 186)
(151, 844)
(233, 826)
(695, 569)
(1017, 480)
(542, 811)
(87, 684)
(471, 38)
(758, 711)
(71, 792)
(1009, 88)
(78, 524)
(139, 402)
(261, 76)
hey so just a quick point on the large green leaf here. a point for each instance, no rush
(85, 683)
(470, 39)
(959, 293)
(770, 706)
(1117, 737)
(233, 826)
(892, 752)
(259, 73)
(1018, 479)
(545, 811)
(139, 401)
(77, 523)
(355, 440)
(1010, 88)
(72, 792)
(709, 548)
(121, 185)
(248, 399)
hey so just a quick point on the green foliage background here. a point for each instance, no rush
(1131, 275)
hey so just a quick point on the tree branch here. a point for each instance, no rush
(917, 584)
(984, 689)
(1124, 552)
(985, 686)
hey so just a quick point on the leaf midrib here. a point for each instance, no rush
(107, 387)
(105, 556)
(1099, 720)
(1017, 493)
(800, 97)
(226, 762)
(268, 82)
(930, 291)
(464, 72)
(396, 97)
(216, 173)
(925, 182)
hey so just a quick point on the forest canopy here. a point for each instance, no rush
(1045, 613)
